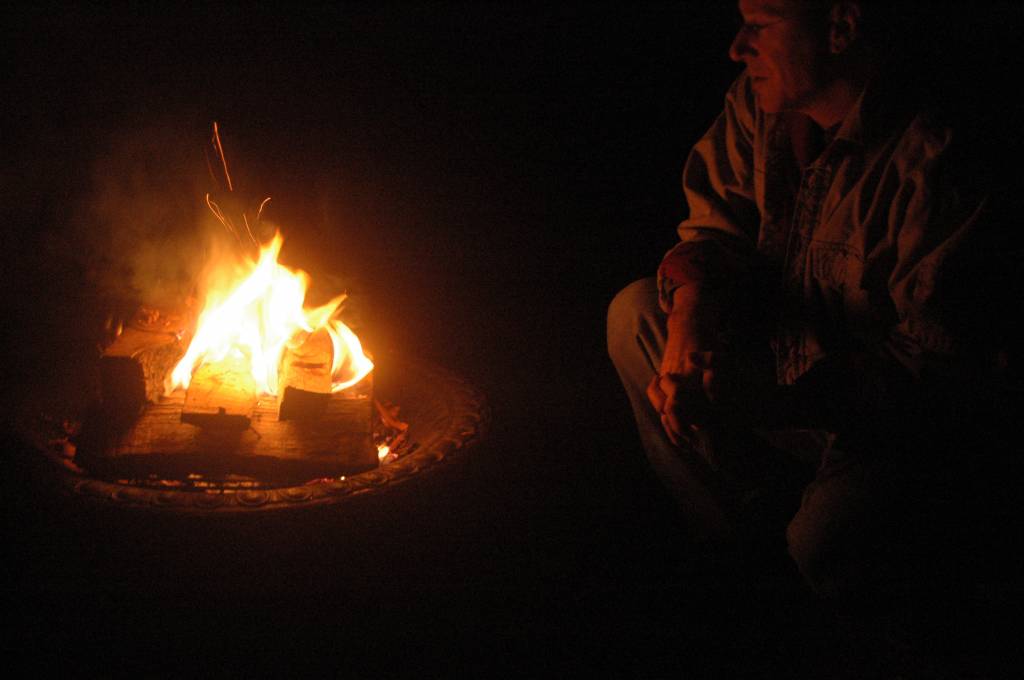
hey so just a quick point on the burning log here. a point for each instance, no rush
(219, 427)
(339, 442)
(350, 410)
(222, 394)
(134, 368)
(305, 378)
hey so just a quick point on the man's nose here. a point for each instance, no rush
(740, 46)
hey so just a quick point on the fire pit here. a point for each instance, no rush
(445, 415)
(252, 399)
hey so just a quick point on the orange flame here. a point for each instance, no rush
(262, 315)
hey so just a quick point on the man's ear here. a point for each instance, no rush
(844, 26)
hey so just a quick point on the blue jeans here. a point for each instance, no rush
(636, 342)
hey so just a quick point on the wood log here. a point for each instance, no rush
(222, 395)
(270, 450)
(173, 440)
(350, 410)
(304, 378)
(133, 370)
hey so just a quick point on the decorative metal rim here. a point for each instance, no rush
(445, 415)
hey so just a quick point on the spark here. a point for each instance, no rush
(220, 152)
(259, 212)
(215, 209)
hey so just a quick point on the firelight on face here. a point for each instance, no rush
(784, 51)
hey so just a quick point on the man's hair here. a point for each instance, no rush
(882, 22)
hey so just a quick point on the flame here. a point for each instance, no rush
(262, 315)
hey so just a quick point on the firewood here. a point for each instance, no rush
(222, 394)
(133, 370)
(350, 410)
(271, 450)
(305, 378)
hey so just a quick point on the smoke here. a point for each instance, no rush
(143, 232)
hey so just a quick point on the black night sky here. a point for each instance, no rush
(484, 177)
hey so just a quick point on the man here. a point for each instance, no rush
(816, 310)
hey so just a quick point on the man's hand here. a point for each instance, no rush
(712, 386)
(680, 400)
(677, 393)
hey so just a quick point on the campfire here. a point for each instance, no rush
(255, 386)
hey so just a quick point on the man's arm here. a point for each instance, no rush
(922, 369)
(677, 392)
(937, 358)
(719, 236)
(697, 277)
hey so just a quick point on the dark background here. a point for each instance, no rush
(484, 177)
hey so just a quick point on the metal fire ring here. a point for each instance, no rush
(446, 415)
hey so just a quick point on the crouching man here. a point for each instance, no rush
(807, 365)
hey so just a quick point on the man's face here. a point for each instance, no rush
(784, 49)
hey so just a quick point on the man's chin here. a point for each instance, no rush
(768, 104)
(764, 95)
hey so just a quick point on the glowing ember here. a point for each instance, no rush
(259, 315)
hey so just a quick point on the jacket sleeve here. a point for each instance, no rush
(718, 182)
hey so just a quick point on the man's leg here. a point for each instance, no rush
(636, 341)
(880, 525)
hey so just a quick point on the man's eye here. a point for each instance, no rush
(754, 28)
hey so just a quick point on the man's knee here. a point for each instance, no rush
(843, 536)
(627, 313)
(807, 540)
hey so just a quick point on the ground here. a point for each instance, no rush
(486, 179)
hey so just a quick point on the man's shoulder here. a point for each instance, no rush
(965, 153)
(926, 124)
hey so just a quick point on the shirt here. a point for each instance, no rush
(858, 243)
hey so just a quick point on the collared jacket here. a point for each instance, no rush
(855, 246)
